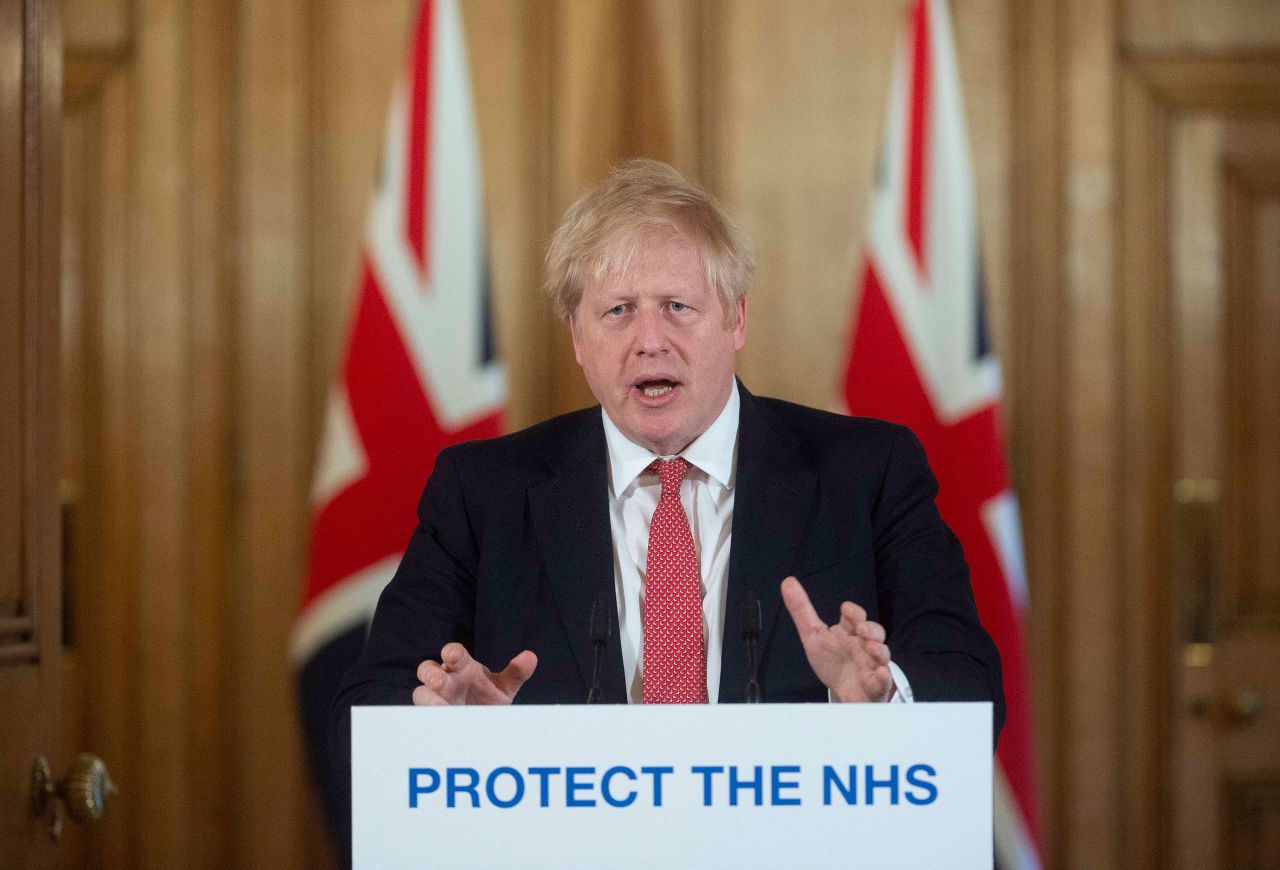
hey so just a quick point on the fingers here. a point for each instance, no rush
(874, 684)
(878, 652)
(434, 680)
(517, 671)
(454, 657)
(851, 616)
(800, 608)
(431, 674)
(867, 654)
(872, 635)
(443, 682)
(853, 620)
(459, 679)
(425, 696)
(869, 630)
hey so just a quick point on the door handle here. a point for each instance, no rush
(1245, 707)
(1196, 556)
(82, 794)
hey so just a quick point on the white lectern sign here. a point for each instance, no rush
(769, 785)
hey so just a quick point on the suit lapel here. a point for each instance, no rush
(571, 517)
(774, 496)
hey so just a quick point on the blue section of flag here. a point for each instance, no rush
(982, 338)
(318, 682)
(488, 347)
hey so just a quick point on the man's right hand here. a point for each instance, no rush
(459, 679)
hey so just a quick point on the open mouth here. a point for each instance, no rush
(656, 389)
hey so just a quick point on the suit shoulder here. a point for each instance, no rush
(815, 426)
(530, 444)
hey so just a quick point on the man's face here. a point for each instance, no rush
(654, 345)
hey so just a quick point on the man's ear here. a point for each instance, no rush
(740, 331)
(575, 337)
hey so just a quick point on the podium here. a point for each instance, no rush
(767, 785)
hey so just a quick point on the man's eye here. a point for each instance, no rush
(616, 311)
(678, 306)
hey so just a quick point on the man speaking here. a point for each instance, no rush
(629, 550)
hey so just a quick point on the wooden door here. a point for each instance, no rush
(1226, 724)
(1202, 263)
(30, 569)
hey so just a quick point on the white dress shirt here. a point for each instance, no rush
(707, 496)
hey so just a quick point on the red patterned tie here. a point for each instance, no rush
(675, 658)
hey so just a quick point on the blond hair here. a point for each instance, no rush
(600, 232)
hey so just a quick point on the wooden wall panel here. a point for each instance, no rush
(1037, 372)
(1092, 641)
(1201, 25)
(75, 463)
(1142, 252)
(108, 684)
(1251, 178)
(158, 309)
(273, 429)
(1255, 824)
(95, 26)
(209, 337)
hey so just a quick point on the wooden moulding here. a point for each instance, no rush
(1037, 363)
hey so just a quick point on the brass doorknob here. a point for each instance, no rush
(83, 792)
(1246, 706)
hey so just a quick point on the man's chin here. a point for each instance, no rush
(662, 440)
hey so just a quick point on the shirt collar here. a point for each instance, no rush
(714, 451)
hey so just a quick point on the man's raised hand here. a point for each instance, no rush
(850, 657)
(459, 679)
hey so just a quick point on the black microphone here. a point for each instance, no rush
(751, 625)
(601, 627)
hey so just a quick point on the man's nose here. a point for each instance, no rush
(651, 336)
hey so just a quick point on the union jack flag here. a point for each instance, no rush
(921, 355)
(419, 371)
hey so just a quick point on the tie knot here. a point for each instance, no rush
(669, 471)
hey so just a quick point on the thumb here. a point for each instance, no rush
(516, 673)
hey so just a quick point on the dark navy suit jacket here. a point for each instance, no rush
(513, 546)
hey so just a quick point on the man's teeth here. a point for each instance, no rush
(654, 392)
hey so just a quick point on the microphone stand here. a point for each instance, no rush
(601, 626)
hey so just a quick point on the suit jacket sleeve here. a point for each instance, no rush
(925, 598)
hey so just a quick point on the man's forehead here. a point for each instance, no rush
(666, 257)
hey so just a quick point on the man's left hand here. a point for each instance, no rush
(850, 657)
